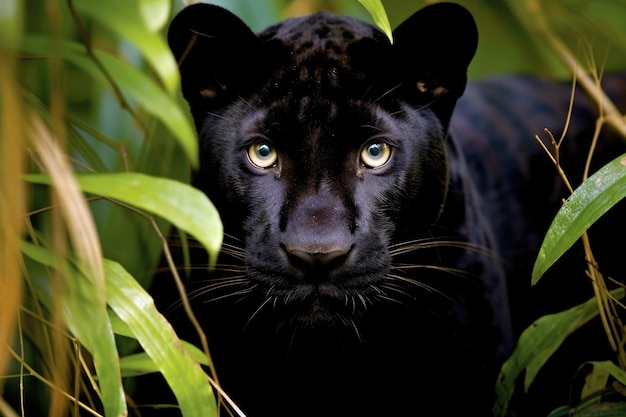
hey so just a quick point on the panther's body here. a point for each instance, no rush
(371, 249)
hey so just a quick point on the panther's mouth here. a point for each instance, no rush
(320, 305)
(318, 288)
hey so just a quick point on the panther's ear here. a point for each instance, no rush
(435, 46)
(214, 49)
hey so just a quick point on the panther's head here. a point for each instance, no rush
(324, 147)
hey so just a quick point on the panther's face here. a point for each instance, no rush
(324, 148)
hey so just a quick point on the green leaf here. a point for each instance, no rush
(134, 306)
(138, 317)
(181, 204)
(141, 363)
(89, 323)
(595, 382)
(537, 344)
(611, 369)
(376, 9)
(587, 204)
(134, 84)
(155, 13)
(138, 21)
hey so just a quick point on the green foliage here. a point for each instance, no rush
(130, 82)
(537, 344)
(184, 206)
(135, 313)
(81, 306)
(140, 23)
(377, 11)
(101, 95)
(134, 306)
(585, 206)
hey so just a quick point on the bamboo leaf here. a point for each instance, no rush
(376, 9)
(89, 324)
(537, 344)
(134, 306)
(587, 204)
(138, 21)
(141, 363)
(182, 205)
(133, 83)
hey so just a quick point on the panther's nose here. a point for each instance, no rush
(317, 238)
(318, 259)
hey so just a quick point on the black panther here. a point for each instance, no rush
(382, 215)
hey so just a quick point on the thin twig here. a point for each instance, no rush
(49, 384)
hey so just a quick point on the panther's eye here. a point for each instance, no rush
(262, 155)
(375, 154)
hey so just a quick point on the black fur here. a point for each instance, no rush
(347, 288)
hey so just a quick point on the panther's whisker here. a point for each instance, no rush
(212, 281)
(218, 285)
(229, 268)
(362, 298)
(247, 102)
(290, 295)
(292, 338)
(418, 284)
(257, 311)
(386, 93)
(356, 330)
(446, 269)
(232, 248)
(215, 285)
(220, 268)
(232, 237)
(377, 289)
(395, 287)
(231, 295)
(389, 298)
(410, 246)
(198, 267)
